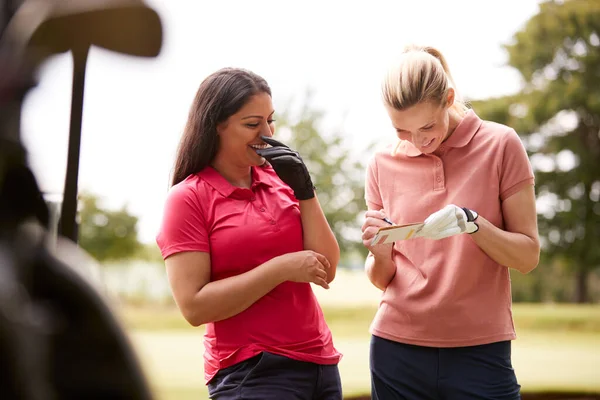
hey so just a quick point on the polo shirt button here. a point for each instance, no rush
(439, 163)
(262, 209)
(252, 198)
(439, 178)
(273, 222)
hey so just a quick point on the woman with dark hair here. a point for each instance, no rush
(242, 239)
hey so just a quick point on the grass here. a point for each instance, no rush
(554, 317)
(558, 348)
(354, 321)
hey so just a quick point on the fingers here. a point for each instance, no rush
(321, 282)
(444, 223)
(271, 152)
(443, 234)
(320, 273)
(273, 142)
(373, 222)
(374, 218)
(288, 159)
(381, 214)
(439, 220)
(369, 232)
(323, 260)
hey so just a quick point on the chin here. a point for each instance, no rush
(261, 161)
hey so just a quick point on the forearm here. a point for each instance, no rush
(317, 234)
(380, 270)
(225, 298)
(513, 250)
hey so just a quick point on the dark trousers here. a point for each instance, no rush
(269, 376)
(407, 372)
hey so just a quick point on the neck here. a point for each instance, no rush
(455, 119)
(236, 175)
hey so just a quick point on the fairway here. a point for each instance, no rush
(557, 349)
(543, 361)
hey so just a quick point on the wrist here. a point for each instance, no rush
(382, 256)
(275, 269)
(472, 220)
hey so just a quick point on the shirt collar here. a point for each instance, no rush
(226, 189)
(462, 135)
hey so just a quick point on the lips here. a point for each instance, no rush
(424, 146)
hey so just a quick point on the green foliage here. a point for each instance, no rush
(149, 252)
(338, 177)
(558, 115)
(107, 235)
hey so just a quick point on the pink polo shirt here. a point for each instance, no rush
(241, 229)
(448, 292)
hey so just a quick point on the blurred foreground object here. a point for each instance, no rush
(58, 337)
(41, 28)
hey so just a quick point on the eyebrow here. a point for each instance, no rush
(426, 125)
(258, 116)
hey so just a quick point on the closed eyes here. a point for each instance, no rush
(425, 128)
(253, 126)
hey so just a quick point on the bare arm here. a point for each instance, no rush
(379, 265)
(517, 246)
(317, 234)
(202, 301)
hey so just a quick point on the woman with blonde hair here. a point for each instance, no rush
(444, 325)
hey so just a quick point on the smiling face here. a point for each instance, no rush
(426, 125)
(239, 135)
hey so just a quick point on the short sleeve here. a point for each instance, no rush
(372, 194)
(183, 226)
(515, 168)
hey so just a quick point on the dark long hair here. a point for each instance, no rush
(219, 96)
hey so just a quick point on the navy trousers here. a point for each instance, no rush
(269, 376)
(406, 372)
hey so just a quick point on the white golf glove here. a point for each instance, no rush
(449, 221)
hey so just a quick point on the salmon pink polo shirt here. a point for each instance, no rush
(242, 229)
(448, 292)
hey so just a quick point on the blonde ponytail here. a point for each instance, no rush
(421, 75)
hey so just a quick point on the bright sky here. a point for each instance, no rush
(135, 109)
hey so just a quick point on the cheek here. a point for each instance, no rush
(233, 139)
(441, 131)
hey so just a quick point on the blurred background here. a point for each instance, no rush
(529, 64)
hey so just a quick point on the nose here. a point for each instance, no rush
(265, 130)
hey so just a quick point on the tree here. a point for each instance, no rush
(106, 234)
(558, 115)
(339, 178)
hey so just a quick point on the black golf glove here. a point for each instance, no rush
(288, 164)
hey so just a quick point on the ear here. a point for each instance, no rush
(450, 97)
